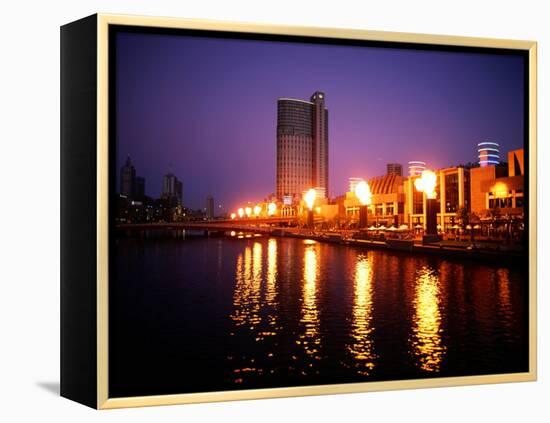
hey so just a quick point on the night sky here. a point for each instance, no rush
(206, 109)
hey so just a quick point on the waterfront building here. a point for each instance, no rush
(387, 202)
(416, 167)
(488, 153)
(499, 187)
(453, 191)
(302, 147)
(394, 169)
(172, 189)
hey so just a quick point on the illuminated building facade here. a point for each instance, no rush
(387, 202)
(453, 191)
(302, 146)
(489, 153)
(416, 167)
(499, 187)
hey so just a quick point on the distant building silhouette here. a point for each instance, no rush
(394, 169)
(172, 189)
(210, 207)
(127, 178)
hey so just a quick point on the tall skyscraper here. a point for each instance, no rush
(394, 169)
(489, 153)
(172, 189)
(127, 178)
(302, 146)
(139, 188)
(210, 207)
(416, 167)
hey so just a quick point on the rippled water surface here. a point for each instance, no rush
(224, 313)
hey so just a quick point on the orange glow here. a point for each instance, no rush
(248, 211)
(257, 210)
(240, 212)
(233, 215)
(500, 190)
(363, 193)
(309, 198)
(426, 183)
(271, 209)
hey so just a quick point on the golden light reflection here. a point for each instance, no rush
(246, 297)
(271, 285)
(362, 347)
(310, 339)
(504, 299)
(426, 341)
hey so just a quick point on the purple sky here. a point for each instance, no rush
(206, 109)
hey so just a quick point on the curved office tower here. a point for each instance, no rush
(489, 153)
(416, 167)
(302, 146)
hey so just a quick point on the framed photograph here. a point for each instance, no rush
(254, 211)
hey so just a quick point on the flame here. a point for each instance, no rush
(362, 192)
(500, 190)
(426, 183)
(240, 212)
(309, 198)
(271, 209)
(257, 210)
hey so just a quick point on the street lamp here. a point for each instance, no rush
(309, 198)
(427, 183)
(363, 193)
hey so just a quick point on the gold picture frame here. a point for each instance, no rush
(103, 21)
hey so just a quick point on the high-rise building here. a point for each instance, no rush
(139, 188)
(416, 167)
(127, 178)
(394, 169)
(210, 207)
(489, 153)
(172, 189)
(302, 146)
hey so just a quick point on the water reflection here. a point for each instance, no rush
(309, 339)
(362, 348)
(506, 313)
(426, 342)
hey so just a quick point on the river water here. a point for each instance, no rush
(208, 314)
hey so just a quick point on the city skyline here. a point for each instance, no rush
(181, 105)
